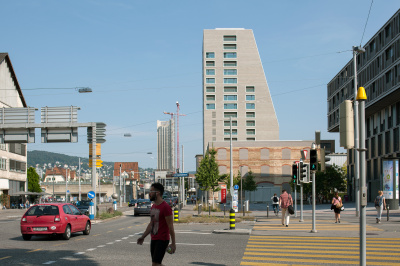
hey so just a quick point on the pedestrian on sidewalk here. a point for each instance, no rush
(285, 200)
(380, 205)
(336, 206)
(275, 203)
(161, 226)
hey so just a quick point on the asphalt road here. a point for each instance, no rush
(113, 242)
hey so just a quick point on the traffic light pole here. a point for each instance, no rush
(313, 230)
(301, 203)
(94, 178)
(295, 200)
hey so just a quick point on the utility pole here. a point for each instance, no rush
(79, 180)
(231, 163)
(120, 186)
(313, 230)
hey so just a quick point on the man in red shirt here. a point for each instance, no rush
(161, 226)
(285, 200)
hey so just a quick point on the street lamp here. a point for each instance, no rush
(66, 184)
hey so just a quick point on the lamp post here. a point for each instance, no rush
(53, 183)
(120, 186)
(66, 185)
(241, 186)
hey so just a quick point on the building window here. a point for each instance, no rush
(264, 154)
(250, 97)
(372, 46)
(230, 97)
(250, 106)
(230, 80)
(228, 139)
(221, 154)
(210, 89)
(17, 166)
(17, 148)
(387, 142)
(227, 132)
(250, 123)
(210, 71)
(230, 89)
(389, 76)
(388, 31)
(3, 147)
(389, 53)
(396, 140)
(229, 46)
(230, 72)
(210, 63)
(251, 139)
(210, 55)
(210, 106)
(230, 105)
(210, 80)
(230, 63)
(230, 114)
(210, 97)
(229, 38)
(3, 163)
(250, 114)
(243, 154)
(228, 123)
(250, 89)
(250, 131)
(230, 55)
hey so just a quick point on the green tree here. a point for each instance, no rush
(249, 183)
(207, 175)
(33, 182)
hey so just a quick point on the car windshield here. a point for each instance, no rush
(83, 203)
(39, 210)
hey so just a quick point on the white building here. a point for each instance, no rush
(12, 155)
(234, 86)
(165, 145)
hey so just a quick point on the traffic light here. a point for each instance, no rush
(303, 172)
(323, 159)
(294, 174)
(313, 160)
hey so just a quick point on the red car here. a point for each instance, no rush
(54, 219)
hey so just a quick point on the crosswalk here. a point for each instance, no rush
(313, 250)
(321, 225)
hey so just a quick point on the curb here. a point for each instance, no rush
(233, 232)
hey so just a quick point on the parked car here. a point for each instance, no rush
(132, 202)
(54, 219)
(84, 206)
(174, 201)
(143, 206)
(169, 201)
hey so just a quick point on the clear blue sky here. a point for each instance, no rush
(140, 57)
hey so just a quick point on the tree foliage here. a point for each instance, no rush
(333, 179)
(207, 175)
(33, 182)
(249, 184)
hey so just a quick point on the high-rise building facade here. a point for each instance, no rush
(234, 86)
(165, 145)
(378, 71)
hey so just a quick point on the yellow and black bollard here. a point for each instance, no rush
(176, 214)
(232, 219)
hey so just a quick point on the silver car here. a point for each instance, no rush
(143, 206)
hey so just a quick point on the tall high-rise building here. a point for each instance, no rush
(234, 85)
(165, 145)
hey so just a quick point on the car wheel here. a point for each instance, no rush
(26, 237)
(87, 229)
(67, 233)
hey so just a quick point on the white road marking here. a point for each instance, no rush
(195, 233)
(101, 246)
(190, 244)
(125, 237)
(118, 240)
(66, 258)
(91, 249)
(79, 253)
(110, 243)
(50, 262)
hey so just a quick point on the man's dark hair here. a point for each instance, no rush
(283, 190)
(158, 187)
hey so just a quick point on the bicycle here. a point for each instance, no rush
(276, 209)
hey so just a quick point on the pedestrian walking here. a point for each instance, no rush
(275, 204)
(380, 205)
(285, 200)
(161, 226)
(336, 206)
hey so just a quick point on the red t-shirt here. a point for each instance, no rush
(159, 228)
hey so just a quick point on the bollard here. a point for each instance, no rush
(232, 219)
(267, 211)
(387, 208)
(224, 210)
(243, 209)
(176, 214)
(115, 205)
(200, 206)
(209, 209)
(91, 211)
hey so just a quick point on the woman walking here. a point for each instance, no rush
(380, 205)
(335, 201)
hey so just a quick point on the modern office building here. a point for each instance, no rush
(378, 71)
(12, 155)
(165, 145)
(234, 86)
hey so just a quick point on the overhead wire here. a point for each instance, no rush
(369, 12)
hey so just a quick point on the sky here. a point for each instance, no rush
(141, 57)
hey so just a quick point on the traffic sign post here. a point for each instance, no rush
(91, 194)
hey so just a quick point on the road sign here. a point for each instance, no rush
(91, 194)
(181, 175)
(304, 154)
(68, 191)
(236, 187)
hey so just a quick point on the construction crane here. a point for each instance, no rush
(177, 131)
